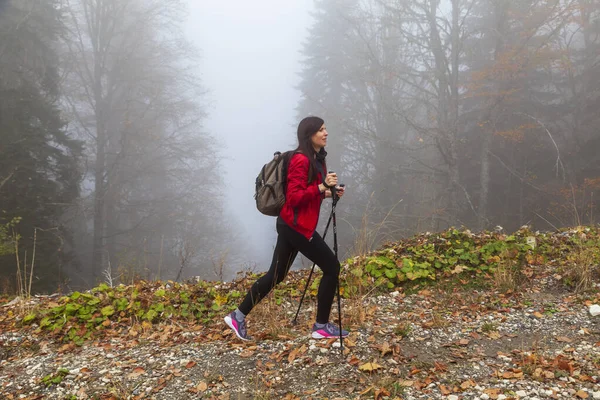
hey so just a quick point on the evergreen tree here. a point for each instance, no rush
(39, 172)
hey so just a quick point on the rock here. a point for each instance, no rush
(594, 310)
(521, 393)
(596, 395)
(453, 397)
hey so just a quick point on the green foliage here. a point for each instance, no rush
(423, 259)
(56, 378)
(80, 316)
(429, 257)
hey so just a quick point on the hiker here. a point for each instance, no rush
(307, 185)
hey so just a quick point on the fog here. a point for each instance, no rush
(250, 64)
(132, 131)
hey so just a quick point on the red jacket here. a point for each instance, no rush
(302, 200)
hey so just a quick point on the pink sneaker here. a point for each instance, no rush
(239, 327)
(328, 331)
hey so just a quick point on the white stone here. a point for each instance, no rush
(596, 395)
(501, 397)
(453, 397)
(183, 362)
(521, 393)
(594, 310)
(485, 396)
(32, 369)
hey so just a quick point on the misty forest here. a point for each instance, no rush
(475, 114)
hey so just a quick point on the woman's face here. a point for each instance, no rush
(319, 139)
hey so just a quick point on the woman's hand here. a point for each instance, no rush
(339, 191)
(331, 179)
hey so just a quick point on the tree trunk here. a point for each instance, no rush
(484, 180)
(500, 11)
(95, 29)
(99, 209)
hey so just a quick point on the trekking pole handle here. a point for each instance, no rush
(325, 181)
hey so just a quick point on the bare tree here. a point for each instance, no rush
(135, 96)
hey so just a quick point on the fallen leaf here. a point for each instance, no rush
(458, 269)
(202, 386)
(492, 393)
(474, 335)
(81, 394)
(440, 367)
(563, 364)
(538, 314)
(445, 391)
(354, 361)
(582, 394)
(247, 353)
(494, 335)
(464, 342)
(367, 390)
(379, 393)
(369, 367)
(385, 349)
(190, 364)
(137, 371)
(549, 374)
(467, 384)
(292, 355)
(563, 339)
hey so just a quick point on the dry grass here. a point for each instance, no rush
(403, 329)
(583, 266)
(369, 234)
(354, 312)
(438, 320)
(272, 319)
(505, 276)
(384, 386)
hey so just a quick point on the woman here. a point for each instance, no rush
(307, 186)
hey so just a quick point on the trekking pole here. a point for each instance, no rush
(335, 250)
(295, 320)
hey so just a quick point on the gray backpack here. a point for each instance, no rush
(270, 185)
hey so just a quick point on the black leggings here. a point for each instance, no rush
(289, 243)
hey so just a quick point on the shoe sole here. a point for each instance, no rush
(229, 322)
(317, 335)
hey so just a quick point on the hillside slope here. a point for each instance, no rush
(509, 327)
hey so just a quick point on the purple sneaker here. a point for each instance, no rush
(239, 327)
(328, 331)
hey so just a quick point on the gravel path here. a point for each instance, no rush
(541, 343)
